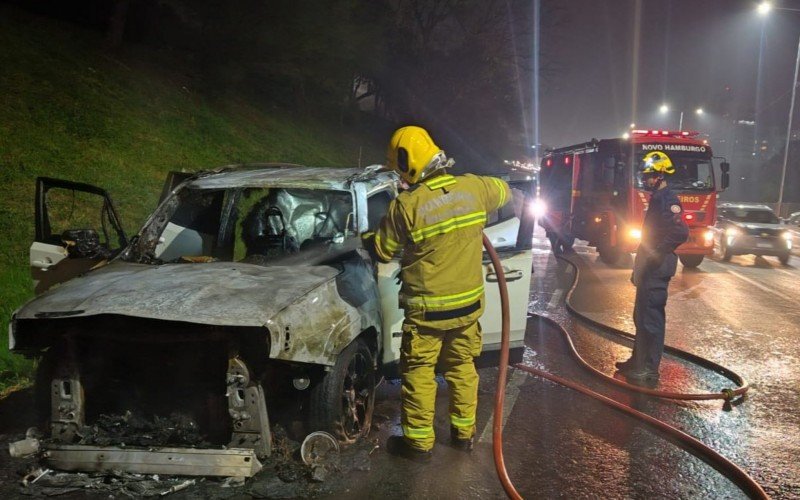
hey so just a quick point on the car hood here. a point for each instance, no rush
(219, 293)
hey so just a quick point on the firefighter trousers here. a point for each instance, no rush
(454, 350)
(649, 314)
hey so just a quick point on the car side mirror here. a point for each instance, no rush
(725, 167)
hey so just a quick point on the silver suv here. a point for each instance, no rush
(746, 228)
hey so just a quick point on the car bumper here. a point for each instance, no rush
(743, 245)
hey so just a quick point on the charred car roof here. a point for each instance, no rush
(287, 175)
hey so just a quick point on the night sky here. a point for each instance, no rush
(692, 53)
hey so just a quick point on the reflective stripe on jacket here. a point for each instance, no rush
(437, 225)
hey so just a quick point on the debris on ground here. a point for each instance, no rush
(285, 475)
(132, 429)
(49, 483)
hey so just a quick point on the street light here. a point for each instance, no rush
(763, 9)
(664, 109)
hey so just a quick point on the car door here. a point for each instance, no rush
(510, 230)
(77, 228)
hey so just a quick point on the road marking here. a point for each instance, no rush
(556, 299)
(760, 286)
(512, 392)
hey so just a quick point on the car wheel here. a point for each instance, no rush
(343, 401)
(784, 258)
(610, 255)
(691, 260)
(726, 253)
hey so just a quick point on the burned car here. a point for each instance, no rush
(245, 298)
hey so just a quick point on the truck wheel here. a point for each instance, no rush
(691, 260)
(342, 402)
(784, 258)
(610, 255)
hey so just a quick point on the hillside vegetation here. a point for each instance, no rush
(70, 110)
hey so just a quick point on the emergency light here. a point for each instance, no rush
(665, 133)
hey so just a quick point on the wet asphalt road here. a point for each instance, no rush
(560, 444)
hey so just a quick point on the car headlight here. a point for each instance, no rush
(538, 208)
(635, 233)
(786, 235)
(733, 231)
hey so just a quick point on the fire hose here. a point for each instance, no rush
(733, 472)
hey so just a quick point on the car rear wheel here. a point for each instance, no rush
(691, 260)
(343, 401)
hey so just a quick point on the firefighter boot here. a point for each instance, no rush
(626, 366)
(460, 443)
(398, 446)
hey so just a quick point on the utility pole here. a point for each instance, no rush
(789, 129)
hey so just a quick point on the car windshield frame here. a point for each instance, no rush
(216, 223)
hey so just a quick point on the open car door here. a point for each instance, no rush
(77, 228)
(510, 230)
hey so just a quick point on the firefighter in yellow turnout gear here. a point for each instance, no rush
(436, 225)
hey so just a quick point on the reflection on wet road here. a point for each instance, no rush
(744, 315)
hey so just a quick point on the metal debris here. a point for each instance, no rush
(132, 429)
(24, 447)
(319, 448)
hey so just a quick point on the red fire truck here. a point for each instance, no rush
(593, 192)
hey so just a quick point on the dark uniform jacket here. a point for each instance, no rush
(663, 231)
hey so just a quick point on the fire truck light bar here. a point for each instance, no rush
(665, 133)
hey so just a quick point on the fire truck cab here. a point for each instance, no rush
(594, 192)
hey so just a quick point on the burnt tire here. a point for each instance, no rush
(343, 401)
(691, 260)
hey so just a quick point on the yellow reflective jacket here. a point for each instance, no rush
(437, 225)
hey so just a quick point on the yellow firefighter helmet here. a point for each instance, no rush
(413, 154)
(657, 162)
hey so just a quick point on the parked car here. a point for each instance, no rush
(245, 293)
(747, 228)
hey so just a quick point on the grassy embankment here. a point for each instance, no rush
(70, 110)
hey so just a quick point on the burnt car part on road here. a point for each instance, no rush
(689, 443)
(247, 285)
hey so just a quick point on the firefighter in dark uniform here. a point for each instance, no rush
(662, 232)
